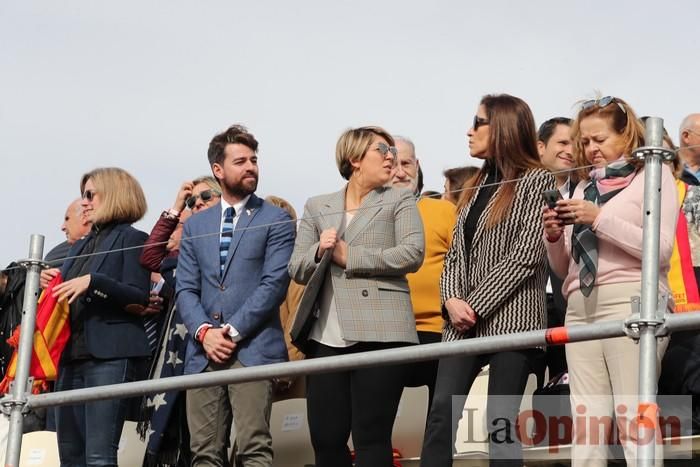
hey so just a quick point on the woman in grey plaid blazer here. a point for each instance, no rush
(358, 244)
(493, 280)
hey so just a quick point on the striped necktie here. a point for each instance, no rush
(226, 234)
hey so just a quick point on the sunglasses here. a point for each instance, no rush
(206, 195)
(89, 195)
(385, 148)
(479, 122)
(603, 102)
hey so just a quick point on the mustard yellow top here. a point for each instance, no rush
(439, 218)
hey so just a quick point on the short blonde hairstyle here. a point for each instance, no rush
(209, 180)
(121, 194)
(353, 145)
(282, 203)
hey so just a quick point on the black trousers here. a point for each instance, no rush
(424, 373)
(362, 402)
(508, 375)
(555, 355)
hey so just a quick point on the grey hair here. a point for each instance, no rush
(407, 141)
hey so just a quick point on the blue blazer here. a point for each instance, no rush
(248, 293)
(116, 280)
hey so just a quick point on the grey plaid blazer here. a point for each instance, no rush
(385, 242)
(504, 277)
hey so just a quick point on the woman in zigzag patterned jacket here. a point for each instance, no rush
(493, 281)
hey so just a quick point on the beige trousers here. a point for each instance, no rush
(604, 378)
(209, 412)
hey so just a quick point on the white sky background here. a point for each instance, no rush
(145, 85)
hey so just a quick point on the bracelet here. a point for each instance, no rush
(552, 240)
(202, 333)
(171, 214)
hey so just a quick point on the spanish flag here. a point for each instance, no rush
(50, 337)
(681, 277)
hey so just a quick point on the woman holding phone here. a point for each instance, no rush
(599, 256)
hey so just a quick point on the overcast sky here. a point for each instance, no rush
(145, 85)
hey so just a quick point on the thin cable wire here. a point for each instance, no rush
(304, 219)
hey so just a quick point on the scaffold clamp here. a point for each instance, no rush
(635, 322)
(8, 402)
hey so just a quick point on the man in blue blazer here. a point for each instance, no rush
(231, 279)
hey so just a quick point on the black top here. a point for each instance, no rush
(77, 347)
(479, 206)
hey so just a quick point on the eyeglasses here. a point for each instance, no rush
(479, 122)
(89, 195)
(385, 148)
(603, 102)
(206, 195)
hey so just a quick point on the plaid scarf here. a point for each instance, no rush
(605, 183)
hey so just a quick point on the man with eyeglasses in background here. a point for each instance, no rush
(439, 217)
(555, 148)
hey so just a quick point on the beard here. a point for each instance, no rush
(242, 188)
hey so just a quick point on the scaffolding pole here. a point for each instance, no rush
(415, 353)
(652, 313)
(21, 386)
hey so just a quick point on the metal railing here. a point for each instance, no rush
(648, 321)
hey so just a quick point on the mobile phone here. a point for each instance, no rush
(551, 197)
(157, 287)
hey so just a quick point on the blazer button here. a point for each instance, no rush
(365, 293)
(216, 316)
(222, 287)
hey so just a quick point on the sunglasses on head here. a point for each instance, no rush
(479, 122)
(385, 148)
(88, 195)
(206, 195)
(603, 102)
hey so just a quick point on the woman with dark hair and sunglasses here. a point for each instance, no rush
(359, 243)
(107, 343)
(594, 243)
(493, 280)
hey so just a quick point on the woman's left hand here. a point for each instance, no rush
(577, 211)
(72, 289)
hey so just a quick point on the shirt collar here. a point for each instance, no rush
(238, 207)
(695, 174)
(564, 189)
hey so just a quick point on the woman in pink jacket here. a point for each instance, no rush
(594, 243)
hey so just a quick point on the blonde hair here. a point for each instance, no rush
(353, 145)
(209, 180)
(122, 199)
(622, 120)
(282, 203)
